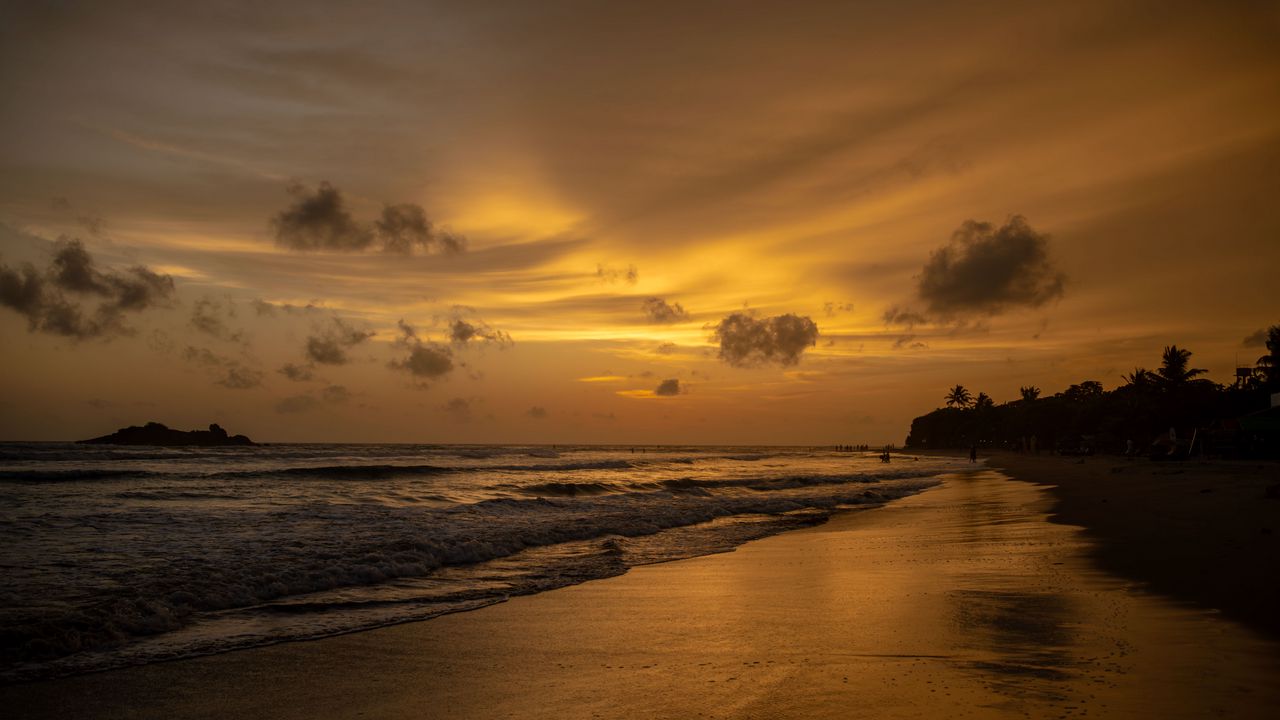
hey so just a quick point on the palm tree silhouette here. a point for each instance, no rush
(1173, 366)
(1269, 364)
(1029, 393)
(984, 402)
(959, 397)
(1140, 377)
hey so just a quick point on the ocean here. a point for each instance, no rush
(117, 556)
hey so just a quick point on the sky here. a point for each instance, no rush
(561, 222)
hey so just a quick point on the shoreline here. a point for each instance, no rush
(1202, 532)
(961, 600)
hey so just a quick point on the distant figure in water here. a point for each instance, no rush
(884, 456)
(973, 453)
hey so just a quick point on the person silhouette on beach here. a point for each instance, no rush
(973, 453)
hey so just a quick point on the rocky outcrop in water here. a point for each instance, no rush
(154, 433)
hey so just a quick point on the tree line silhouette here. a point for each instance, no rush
(1144, 409)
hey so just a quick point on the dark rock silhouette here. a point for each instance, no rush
(153, 433)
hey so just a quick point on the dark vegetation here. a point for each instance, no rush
(1135, 418)
(153, 433)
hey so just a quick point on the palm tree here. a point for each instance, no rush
(959, 397)
(1140, 377)
(1173, 366)
(1269, 364)
(1029, 393)
(984, 402)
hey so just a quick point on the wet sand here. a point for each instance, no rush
(963, 601)
(1203, 532)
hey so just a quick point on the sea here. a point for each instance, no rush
(114, 556)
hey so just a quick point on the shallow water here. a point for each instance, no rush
(124, 555)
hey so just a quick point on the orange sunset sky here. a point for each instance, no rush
(699, 222)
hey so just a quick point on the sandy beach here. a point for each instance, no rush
(963, 601)
(1202, 532)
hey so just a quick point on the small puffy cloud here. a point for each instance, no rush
(831, 309)
(270, 309)
(666, 348)
(459, 409)
(330, 344)
(746, 340)
(902, 316)
(909, 342)
(668, 388)
(239, 377)
(320, 220)
(296, 373)
(660, 311)
(537, 412)
(463, 331)
(404, 227)
(987, 270)
(210, 316)
(425, 359)
(39, 296)
(613, 275)
(228, 372)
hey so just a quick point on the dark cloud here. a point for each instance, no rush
(227, 372)
(831, 309)
(450, 243)
(72, 269)
(39, 296)
(746, 340)
(1256, 339)
(329, 346)
(425, 359)
(297, 373)
(609, 274)
(660, 311)
(404, 227)
(463, 331)
(270, 309)
(902, 316)
(537, 412)
(240, 378)
(668, 388)
(210, 316)
(319, 221)
(987, 270)
(908, 341)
